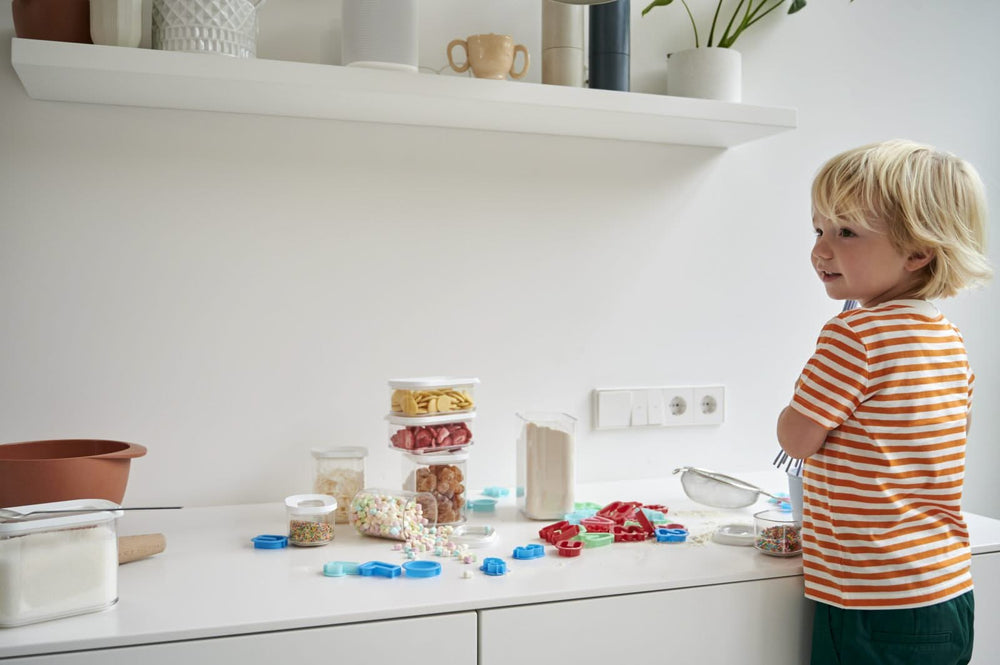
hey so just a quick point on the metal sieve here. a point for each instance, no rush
(718, 490)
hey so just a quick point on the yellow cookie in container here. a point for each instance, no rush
(432, 395)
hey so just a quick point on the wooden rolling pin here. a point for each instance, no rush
(133, 548)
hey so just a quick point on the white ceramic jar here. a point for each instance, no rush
(116, 22)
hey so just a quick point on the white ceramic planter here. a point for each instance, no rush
(116, 22)
(708, 73)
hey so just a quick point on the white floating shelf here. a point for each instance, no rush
(68, 72)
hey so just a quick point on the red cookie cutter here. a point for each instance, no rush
(619, 511)
(632, 533)
(569, 547)
(597, 524)
(563, 530)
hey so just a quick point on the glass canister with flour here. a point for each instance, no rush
(546, 465)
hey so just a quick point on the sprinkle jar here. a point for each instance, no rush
(777, 533)
(394, 514)
(310, 519)
(340, 473)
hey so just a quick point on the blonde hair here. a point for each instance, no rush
(923, 199)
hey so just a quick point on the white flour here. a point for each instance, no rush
(57, 573)
(549, 472)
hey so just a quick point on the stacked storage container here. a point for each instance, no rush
(430, 424)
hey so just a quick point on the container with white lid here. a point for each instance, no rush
(310, 519)
(443, 475)
(432, 395)
(430, 434)
(54, 565)
(340, 473)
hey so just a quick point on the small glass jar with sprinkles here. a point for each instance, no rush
(777, 533)
(310, 519)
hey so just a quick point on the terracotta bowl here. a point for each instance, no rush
(63, 469)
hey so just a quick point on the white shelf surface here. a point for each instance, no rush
(62, 71)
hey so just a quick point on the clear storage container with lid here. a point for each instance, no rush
(431, 434)
(310, 519)
(443, 476)
(340, 473)
(395, 514)
(432, 395)
(546, 465)
(57, 565)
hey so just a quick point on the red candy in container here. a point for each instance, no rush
(429, 434)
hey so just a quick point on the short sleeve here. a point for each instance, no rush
(835, 380)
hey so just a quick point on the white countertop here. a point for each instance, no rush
(211, 582)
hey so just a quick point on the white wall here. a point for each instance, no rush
(233, 290)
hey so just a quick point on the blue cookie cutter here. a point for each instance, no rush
(482, 505)
(493, 566)
(665, 535)
(422, 568)
(269, 542)
(341, 568)
(380, 569)
(496, 491)
(531, 551)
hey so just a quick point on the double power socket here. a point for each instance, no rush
(659, 406)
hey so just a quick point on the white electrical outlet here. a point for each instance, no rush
(709, 405)
(680, 406)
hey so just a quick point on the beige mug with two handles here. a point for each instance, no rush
(490, 56)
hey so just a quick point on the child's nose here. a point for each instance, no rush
(821, 249)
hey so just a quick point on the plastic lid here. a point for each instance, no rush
(341, 451)
(19, 520)
(433, 457)
(311, 504)
(474, 536)
(734, 534)
(424, 421)
(431, 382)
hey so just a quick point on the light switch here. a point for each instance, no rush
(639, 406)
(614, 409)
(654, 407)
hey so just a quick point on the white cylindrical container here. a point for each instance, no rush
(380, 33)
(707, 73)
(116, 22)
(562, 43)
(546, 465)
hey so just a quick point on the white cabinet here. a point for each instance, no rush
(432, 640)
(748, 622)
(986, 577)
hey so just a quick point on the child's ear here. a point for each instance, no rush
(918, 259)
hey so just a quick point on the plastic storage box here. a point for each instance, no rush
(394, 514)
(310, 519)
(430, 434)
(432, 395)
(340, 473)
(57, 565)
(443, 476)
(777, 533)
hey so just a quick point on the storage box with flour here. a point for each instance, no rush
(58, 564)
(546, 465)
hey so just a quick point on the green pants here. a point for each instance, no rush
(934, 635)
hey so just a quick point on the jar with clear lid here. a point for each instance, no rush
(310, 519)
(394, 514)
(340, 473)
(443, 476)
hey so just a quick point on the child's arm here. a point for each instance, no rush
(799, 436)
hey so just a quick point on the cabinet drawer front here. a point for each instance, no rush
(432, 640)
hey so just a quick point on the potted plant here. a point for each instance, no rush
(715, 72)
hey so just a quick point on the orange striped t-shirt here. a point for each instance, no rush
(882, 522)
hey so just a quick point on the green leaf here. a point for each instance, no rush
(656, 3)
(797, 5)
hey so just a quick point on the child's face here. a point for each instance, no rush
(855, 263)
